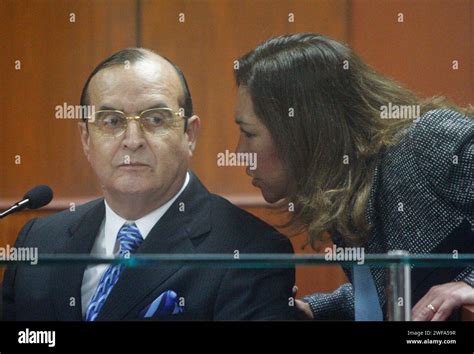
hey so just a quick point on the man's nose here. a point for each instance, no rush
(134, 136)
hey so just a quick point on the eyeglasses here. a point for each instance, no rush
(155, 121)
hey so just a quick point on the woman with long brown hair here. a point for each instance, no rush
(354, 154)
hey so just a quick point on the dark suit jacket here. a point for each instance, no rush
(422, 201)
(208, 224)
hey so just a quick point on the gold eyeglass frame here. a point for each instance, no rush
(137, 118)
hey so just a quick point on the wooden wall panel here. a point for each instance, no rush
(56, 57)
(419, 51)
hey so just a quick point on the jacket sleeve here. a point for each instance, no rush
(258, 294)
(338, 305)
(8, 291)
(469, 279)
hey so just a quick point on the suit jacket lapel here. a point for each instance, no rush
(67, 280)
(187, 218)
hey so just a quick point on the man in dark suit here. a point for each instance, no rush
(152, 204)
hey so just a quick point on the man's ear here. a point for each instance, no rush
(194, 125)
(84, 132)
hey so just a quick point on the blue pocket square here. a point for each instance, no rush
(164, 305)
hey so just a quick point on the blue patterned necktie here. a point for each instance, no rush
(366, 300)
(130, 239)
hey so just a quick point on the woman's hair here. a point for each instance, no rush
(322, 106)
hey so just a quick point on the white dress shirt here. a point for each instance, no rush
(106, 243)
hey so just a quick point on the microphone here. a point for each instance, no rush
(35, 198)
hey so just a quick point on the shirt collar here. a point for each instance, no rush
(114, 222)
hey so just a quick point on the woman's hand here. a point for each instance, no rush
(303, 310)
(441, 300)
